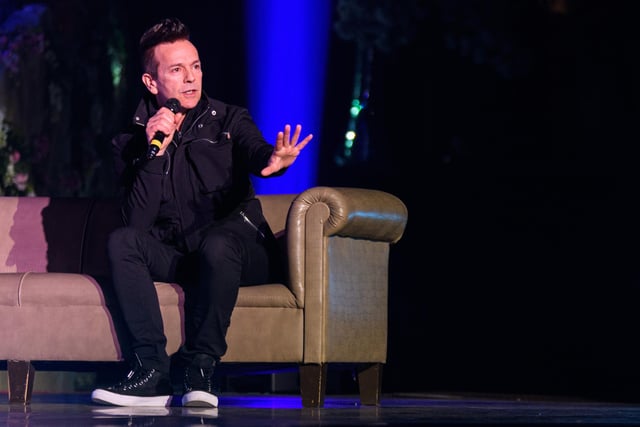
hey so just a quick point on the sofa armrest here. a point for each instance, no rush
(323, 213)
(338, 242)
(352, 212)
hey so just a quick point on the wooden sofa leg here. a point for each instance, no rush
(20, 374)
(313, 384)
(370, 383)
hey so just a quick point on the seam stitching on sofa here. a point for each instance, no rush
(20, 285)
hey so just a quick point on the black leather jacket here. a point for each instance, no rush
(202, 179)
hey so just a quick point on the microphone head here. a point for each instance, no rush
(173, 105)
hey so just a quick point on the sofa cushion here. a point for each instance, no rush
(268, 295)
(67, 290)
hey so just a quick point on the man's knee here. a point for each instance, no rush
(123, 239)
(221, 245)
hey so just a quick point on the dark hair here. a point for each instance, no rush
(167, 30)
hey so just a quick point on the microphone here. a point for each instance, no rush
(156, 142)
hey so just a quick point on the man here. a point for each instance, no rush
(191, 217)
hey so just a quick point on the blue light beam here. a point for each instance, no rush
(287, 44)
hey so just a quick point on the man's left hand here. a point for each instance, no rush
(286, 150)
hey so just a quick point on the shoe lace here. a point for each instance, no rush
(138, 378)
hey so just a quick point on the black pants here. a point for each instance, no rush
(228, 256)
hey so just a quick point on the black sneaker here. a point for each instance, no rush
(141, 387)
(197, 383)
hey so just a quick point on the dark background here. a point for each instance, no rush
(508, 127)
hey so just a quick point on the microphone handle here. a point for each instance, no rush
(155, 144)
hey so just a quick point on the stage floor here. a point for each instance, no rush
(256, 410)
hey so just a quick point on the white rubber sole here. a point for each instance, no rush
(200, 399)
(109, 398)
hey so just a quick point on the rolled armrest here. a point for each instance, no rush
(322, 213)
(352, 212)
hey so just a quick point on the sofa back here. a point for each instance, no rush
(42, 234)
(47, 234)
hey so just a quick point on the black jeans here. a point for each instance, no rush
(228, 256)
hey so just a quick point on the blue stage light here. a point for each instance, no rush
(287, 44)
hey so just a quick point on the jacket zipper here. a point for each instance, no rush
(248, 221)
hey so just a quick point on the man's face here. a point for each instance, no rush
(179, 74)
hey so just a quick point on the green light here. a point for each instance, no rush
(116, 73)
(356, 107)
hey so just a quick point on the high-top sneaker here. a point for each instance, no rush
(197, 382)
(141, 387)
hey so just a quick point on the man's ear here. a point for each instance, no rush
(150, 83)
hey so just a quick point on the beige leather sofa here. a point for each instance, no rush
(54, 306)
